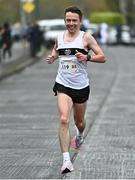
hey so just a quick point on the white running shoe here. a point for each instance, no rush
(67, 167)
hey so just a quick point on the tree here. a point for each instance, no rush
(9, 10)
(47, 9)
(122, 6)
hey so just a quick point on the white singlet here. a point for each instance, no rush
(72, 72)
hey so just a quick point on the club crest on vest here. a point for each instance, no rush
(67, 52)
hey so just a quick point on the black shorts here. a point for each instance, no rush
(77, 95)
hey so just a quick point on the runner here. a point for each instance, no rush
(72, 82)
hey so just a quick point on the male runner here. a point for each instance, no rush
(72, 83)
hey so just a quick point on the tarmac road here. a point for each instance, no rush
(109, 148)
(29, 147)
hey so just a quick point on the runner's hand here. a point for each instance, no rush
(80, 56)
(50, 59)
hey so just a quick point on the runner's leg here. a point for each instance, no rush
(65, 106)
(79, 113)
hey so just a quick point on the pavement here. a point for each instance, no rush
(19, 60)
(29, 146)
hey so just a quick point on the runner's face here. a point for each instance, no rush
(72, 22)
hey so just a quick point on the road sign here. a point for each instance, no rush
(28, 7)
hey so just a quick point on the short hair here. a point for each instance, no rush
(74, 9)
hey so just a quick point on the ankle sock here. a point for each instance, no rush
(79, 133)
(66, 157)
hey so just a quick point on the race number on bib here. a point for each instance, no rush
(68, 66)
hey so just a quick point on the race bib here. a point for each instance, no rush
(68, 66)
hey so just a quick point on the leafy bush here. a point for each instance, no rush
(111, 18)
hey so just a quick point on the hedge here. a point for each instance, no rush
(111, 18)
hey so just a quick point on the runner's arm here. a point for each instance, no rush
(53, 55)
(92, 44)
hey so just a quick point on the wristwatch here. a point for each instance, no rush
(88, 57)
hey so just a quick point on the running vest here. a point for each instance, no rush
(72, 72)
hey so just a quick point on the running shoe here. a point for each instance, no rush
(77, 141)
(67, 167)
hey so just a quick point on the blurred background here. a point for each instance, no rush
(110, 22)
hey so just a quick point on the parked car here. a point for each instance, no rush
(126, 35)
(93, 29)
(43, 24)
(52, 28)
(133, 35)
(112, 36)
(123, 38)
